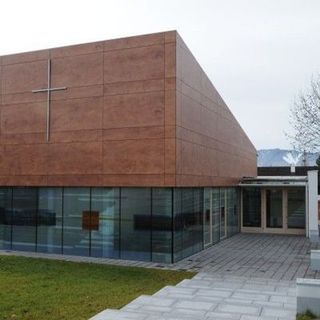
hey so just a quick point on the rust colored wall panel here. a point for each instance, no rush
(134, 64)
(77, 71)
(212, 148)
(75, 158)
(24, 77)
(23, 118)
(22, 159)
(136, 111)
(76, 114)
(143, 156)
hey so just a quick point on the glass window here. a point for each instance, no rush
(296, 208)
(24, 219)
(76, 221)
(188, 222)
(216, 215)
(207, 228)
(251, 198)
(135, 215)
(223, 214)
(232, 212)
(162, 225)
(274, 208)
(177, 225)
(5, 217)
(49, 223)
(105, 233)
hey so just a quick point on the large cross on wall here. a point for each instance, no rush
(48, 91)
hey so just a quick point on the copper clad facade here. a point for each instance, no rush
(137, 111)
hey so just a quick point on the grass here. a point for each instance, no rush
(48, 289)
(305, 316)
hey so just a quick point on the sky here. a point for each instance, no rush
(259, 54)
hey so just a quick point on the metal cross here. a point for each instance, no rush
(48, 90)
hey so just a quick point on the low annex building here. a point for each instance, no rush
(120, 149)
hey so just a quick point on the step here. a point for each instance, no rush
(210, 297)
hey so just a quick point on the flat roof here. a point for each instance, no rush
(274, 181)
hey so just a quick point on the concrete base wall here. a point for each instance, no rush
(308, 296)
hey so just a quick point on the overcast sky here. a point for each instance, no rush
(259, 54)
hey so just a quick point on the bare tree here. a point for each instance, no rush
(305, 119)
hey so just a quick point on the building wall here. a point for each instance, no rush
(137, 111)
(107, 128)
(212, 148)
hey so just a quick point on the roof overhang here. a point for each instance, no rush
(275, 181)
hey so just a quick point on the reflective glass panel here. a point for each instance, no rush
(216, 215)
(24, 219)
(105, 233)
(162, 224)
(296, 208)
(223, 214)
(76, 221)
(49, 223)
(5, 217)
(135, 215)
(207, 228)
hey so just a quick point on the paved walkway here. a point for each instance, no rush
(256, 255)
(246, 277)
(211, 297)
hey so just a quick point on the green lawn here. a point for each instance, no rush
(47, 289)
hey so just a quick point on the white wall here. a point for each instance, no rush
(313, 228)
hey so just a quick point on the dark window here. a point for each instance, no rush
(24, 219)
(296, 208)
(251, 207)
(274, 208)
(5, 217)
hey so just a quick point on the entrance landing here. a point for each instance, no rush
(278, 257)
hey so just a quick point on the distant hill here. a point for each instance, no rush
(282, 157)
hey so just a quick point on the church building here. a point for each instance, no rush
(119, 149)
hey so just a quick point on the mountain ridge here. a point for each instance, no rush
(277, 157)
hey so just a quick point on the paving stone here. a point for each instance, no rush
(214, 292)
(204, 306)
(248, 317)
(151, 300)
(250, 296)
(278, 312)
(237, 308)
(186, 313)
(119, 315)
(222, 315)
(283, 299)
